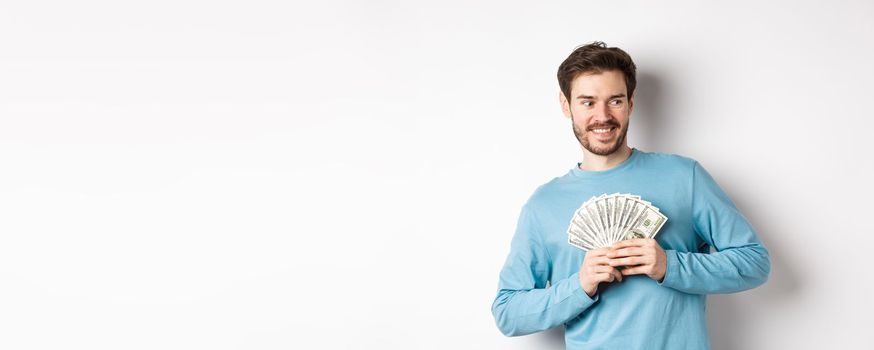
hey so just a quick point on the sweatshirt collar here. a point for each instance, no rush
(590, 174)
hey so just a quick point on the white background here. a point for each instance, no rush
(346, 175)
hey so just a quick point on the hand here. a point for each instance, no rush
(595, 269)
(640, 256)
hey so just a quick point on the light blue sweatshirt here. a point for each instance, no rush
(539, 285)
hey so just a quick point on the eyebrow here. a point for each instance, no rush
(593, 97)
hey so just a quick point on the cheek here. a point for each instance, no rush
(621, 116)
(581, 116)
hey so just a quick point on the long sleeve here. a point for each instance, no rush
(524, 304)
(740, 262)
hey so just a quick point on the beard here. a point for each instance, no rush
(583, 138)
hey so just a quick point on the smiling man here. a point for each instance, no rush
(639, 293)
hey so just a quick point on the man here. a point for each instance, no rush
(639, 293)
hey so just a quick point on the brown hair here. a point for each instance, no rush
(596, 58)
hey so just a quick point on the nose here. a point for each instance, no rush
(601, 113)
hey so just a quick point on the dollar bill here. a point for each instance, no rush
(603, 220)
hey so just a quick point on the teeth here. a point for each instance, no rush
(600, 130)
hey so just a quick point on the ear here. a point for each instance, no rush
(565, 106)
(630, 105)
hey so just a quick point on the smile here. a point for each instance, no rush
(603, 134)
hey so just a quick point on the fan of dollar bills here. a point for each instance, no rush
(606, 219)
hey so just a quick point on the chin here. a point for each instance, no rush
(605, 150)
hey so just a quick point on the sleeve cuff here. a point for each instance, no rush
(670, 269)
(580, 294)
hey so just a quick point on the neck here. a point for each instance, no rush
(594, 162)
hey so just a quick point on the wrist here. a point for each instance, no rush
(587, 288)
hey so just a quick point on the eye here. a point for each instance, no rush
(587, 103)
(616, 102)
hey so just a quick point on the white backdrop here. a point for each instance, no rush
(347, 175)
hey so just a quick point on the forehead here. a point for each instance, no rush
(604, 84)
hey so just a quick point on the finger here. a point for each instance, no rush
(609, 270)
(630, 261)
(600, 269)
(637, 242)
(633, 261)
(636, 270)
(606, 277)
(598, 252)
(601, 260)
(628, 251)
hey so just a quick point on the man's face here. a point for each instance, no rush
(599, 110)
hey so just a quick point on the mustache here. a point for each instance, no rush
(604, 125)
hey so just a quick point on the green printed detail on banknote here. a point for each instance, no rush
(606, 219)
